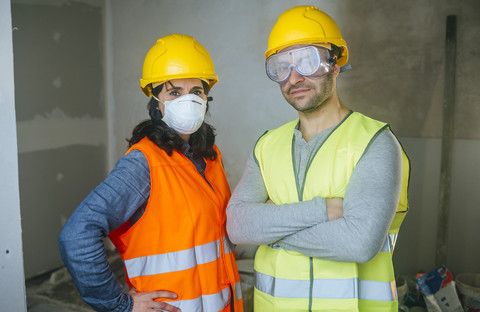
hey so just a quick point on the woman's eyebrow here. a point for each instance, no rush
(196, 88)
(173, 88)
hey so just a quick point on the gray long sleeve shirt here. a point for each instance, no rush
(369, 205)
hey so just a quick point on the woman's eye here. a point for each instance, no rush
(197, 92)
(174, 93)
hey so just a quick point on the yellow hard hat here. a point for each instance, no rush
(174, 57)
(305, 25)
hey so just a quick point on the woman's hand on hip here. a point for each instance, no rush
(144, 301)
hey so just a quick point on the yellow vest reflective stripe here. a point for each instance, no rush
(176, 261)
(324, 288)
(388, 245)
(289, 281)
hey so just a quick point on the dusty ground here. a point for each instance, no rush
(55, 291)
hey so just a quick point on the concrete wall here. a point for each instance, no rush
(61, 120)
(75, 107)
(12, 296)
(415, 249)
(397, 54)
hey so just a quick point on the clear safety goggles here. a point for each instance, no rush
(306, 61)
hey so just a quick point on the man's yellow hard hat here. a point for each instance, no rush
(305, 25)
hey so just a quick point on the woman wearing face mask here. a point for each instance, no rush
(163, 205)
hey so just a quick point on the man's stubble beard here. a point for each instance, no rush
(318, 99)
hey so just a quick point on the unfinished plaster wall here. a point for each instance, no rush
(397, 53)
(12, 284)
(61, 123)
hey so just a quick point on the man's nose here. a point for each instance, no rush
(295, 77)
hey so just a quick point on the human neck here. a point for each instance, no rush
(330, 114)
(185, 137)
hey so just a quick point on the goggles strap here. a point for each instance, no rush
(332, 59)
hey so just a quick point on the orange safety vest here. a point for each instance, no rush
(180, 242)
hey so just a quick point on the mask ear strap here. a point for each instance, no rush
(209, 98)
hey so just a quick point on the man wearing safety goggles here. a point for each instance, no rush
(324, 195)
(310, 61)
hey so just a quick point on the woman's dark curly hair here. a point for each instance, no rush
(201, 141)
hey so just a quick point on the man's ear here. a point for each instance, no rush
(336, 70)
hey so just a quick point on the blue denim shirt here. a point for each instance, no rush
(109, 205)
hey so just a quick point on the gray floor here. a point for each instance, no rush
(55, 291)
(46, 295)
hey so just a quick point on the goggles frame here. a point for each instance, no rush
(311, 53)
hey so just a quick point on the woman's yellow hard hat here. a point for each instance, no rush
(176, 56)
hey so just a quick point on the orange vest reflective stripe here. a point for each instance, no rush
(180, 244)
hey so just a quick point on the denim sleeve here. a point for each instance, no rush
(108, 206)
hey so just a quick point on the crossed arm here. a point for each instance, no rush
(354, 232)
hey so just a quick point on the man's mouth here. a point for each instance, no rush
(298, 91)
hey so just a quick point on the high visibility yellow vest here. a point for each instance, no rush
(289, 281)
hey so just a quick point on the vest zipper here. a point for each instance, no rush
(302, 187)
(205, 176)
(310, 294)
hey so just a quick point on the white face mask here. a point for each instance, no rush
(185, 114)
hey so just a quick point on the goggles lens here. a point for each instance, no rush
(306, 61)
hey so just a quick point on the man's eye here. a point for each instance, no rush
(283, 66)
(307, 65)
(304, 62)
